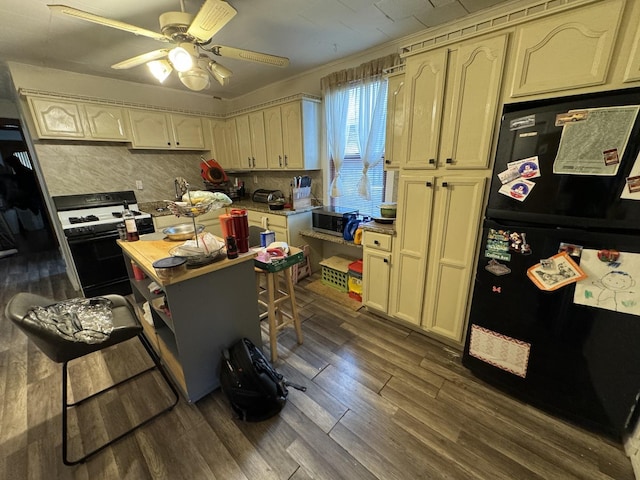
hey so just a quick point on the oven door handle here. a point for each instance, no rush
(91, 238)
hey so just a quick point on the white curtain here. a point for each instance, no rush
(371, 128)
(336, 105)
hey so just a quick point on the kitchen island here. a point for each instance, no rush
(209, 308)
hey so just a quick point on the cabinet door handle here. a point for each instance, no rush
(286, 163)
(449, 161)
(385, 260)
(429, 184)
(280, 160)
(249, 161)
(445, 184)
(376, 242)
(254, 161)
(432, 161)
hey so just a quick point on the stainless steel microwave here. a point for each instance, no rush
(332, 220)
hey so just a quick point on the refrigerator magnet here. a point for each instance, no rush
(508, 175)
(633, 183)
(522, 122)
(527, 167)
(566, 271)
(571, 248)
(497, 268)
(518, 189)
(610, 156)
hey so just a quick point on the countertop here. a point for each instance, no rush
(152, 247)
(159, 208)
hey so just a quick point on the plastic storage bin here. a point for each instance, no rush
(335, 273)
(355, 280)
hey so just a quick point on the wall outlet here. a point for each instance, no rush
(255, 179)
(139, 184)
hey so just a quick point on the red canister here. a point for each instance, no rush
(240, 229)
(226, 224)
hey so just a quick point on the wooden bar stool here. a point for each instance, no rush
(276, 296)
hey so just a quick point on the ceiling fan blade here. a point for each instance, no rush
(141, 59)
(89, 17)
(241, 54)
(213, 15)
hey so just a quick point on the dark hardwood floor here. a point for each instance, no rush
(382, 402)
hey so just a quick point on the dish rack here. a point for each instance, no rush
(190, 209)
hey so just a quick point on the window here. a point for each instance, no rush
(352, 167)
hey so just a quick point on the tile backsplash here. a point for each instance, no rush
(79, 167)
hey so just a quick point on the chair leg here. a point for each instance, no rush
(66, 405)
(294, 306)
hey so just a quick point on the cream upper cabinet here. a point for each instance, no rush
(56, 118)
(433, 257)
(153, 129)
(452, 104)
(394, 142)
(425, 76)
(105, 122)
(567, 50)
(457, 212)
(376, 270)
(292, 133)
(219, 151)
(252, 147)
(472, 103)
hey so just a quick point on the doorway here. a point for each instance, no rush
(26, 220)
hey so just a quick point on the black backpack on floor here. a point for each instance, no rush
(254, 388)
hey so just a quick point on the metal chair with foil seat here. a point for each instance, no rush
(61, 336)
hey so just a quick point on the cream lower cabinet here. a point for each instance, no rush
(376, 270)
(286, 227)
(452, 104)
(433, 260)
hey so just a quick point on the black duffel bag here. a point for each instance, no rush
(254, 388)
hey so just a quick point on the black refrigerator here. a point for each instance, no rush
(564, 205)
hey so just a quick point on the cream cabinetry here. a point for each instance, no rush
(567, 50)
(286, 227)
(252, 147)
(210, 220)
(376, 270)
(292, 133)
(452, 104)
(159, 130)
(438, 221)
(394, 142)
(67, 119)
(224, 143)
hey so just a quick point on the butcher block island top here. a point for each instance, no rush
(149, 249)
(192, 317)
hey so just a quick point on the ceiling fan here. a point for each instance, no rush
(192, 38)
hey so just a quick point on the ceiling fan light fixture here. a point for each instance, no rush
(221, 73)
(195, 79)
(160, 69)
(181, 58)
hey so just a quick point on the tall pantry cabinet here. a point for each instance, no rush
(451, 109)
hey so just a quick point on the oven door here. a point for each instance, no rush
(100, 265)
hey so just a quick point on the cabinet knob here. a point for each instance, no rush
(432, 161)
(429, 184)
(169, 143)
(445, 184)
(449, 161)
(385, 260)
(177, 143)
(388, 162)
(249, 161)
(376, 242)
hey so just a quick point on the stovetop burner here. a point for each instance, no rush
(119, 214)
(88, 218)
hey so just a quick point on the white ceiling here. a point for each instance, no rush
(309, 32)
